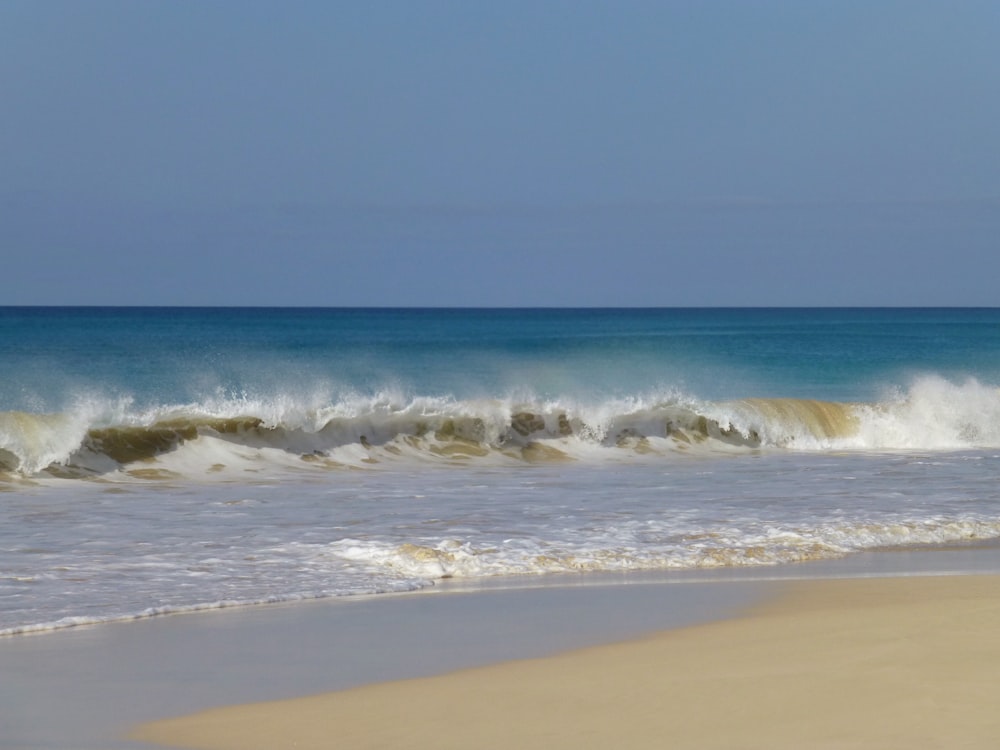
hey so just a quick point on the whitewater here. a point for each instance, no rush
(155, 461)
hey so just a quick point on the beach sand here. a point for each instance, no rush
(905, 662)
(83, 688)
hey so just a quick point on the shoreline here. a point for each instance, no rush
(952, 558)
(84, 688)
(898, 662)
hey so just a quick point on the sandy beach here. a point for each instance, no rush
(905, 662)
(83, 688)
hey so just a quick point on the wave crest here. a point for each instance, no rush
(934, 414)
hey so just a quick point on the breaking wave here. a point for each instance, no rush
(932, 414)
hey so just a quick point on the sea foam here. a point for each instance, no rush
(95, 437)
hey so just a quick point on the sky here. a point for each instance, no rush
(466, 153)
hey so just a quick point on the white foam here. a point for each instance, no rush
(35, 441)
(750, 546)
(360, 429)
(218, 521)
(934, 414)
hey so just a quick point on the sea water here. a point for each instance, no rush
(168, 460)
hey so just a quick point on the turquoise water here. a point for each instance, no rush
(161, 356)
(158, 460)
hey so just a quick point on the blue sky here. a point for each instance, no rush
(515, 153)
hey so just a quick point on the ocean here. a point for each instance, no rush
(160, 460)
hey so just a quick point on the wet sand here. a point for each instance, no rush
(85, 688)
(904, 662)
